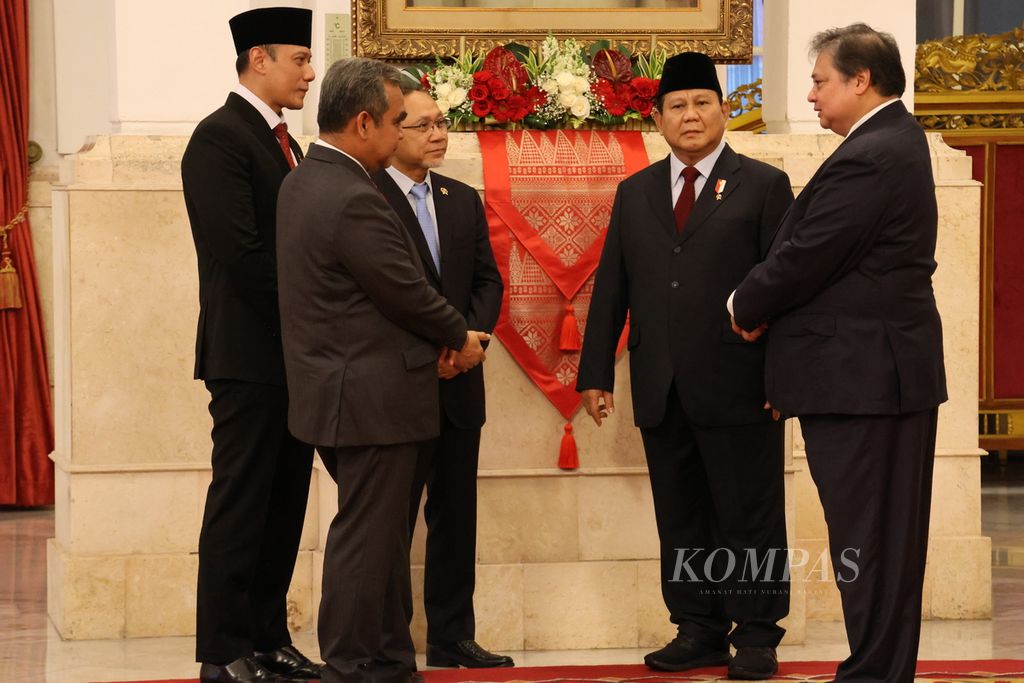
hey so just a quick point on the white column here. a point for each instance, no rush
(788, 29)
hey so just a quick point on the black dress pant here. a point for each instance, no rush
(367, 594)
(447, 466)
(252, 522)
(874, 478)
(719, 501)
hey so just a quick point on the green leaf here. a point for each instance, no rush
(521, 52)
(597, 46)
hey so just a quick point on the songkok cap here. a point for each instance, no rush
(689, 71)
(269, 25)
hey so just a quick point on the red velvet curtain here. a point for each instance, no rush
(26, 423)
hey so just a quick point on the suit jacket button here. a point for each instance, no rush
(677, 250)
(675, 284)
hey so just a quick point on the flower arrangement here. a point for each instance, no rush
(562, 84)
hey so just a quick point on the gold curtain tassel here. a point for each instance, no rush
(10, 284)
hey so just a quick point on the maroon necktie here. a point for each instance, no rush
(686, 198)
(281, 133)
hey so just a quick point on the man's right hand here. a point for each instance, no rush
(598, 404)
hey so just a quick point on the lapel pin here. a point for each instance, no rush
(444, 191)
(719, 189)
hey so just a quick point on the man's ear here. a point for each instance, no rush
(258, 59)
(363, 119)
(861, 81)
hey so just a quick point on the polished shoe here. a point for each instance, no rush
(465, 653)
(242, 670)
(687, 653)
(289, 663)
(753, 664)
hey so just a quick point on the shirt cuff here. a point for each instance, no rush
(728, 304)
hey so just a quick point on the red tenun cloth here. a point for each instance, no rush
(26, 424)
(548, 200)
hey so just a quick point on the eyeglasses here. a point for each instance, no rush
(441, 124)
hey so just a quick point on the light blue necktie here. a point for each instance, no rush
(419, 192)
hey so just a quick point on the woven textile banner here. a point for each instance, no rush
(548, 198)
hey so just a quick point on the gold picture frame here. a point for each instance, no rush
(395, 31)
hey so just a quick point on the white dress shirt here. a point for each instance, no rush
(324, 143)
(272, 118)
(704, 167)
(405, 184)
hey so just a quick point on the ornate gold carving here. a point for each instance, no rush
(951, 122)
(971, 63)
(372, 37)
(745, 98)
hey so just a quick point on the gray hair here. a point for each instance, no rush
(352, 86)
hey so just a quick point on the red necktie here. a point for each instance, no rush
(281, 133)
(686, 198)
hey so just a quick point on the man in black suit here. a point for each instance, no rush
(683, 233)
(361, 331)
(855, 343)
(445, 219)
(256, 503)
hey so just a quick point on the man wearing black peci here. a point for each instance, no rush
(683, 233)
(231, 172)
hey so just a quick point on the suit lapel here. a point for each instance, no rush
(260, 128)
(446, 220)
(726, 169)
(400, 203)
(659, 195)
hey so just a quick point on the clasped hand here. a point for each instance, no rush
(451, 362)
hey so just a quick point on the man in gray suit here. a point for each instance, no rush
(361, 330)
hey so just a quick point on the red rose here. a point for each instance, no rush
(645, 87)
(518, 108)
(501, 111)
(482, 76)
(499, 91)
(625, 91)
(481, 108)
(478, 92)
(424, 82)
(642, 105)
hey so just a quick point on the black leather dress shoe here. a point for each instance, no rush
(687, 653)
(466, 653)
(242, 670)
(753, 664)
(289, 663)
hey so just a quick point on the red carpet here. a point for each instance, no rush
(968, 671)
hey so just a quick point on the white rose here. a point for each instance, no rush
(550, 86)
(582, 84)
(580, 108)
(444, 106)
(565, 80)
(443, 90)
(567, 99)
(457, 96)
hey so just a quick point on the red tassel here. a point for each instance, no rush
(568, 458)
(569, 340)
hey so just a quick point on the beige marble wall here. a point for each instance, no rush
(565, 560)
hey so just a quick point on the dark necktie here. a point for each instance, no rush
(686, 198)
(281, 133)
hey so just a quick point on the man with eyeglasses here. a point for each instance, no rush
(445, 219)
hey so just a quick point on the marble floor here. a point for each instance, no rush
(32, 652)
